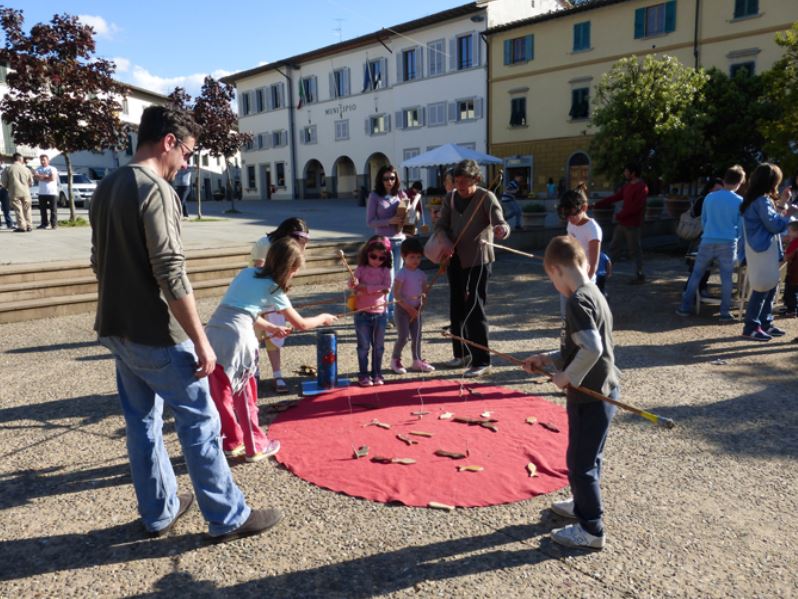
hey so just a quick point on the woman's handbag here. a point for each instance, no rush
(688, 227)
(438, 247)
(763, 267)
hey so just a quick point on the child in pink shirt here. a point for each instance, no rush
(372, 284)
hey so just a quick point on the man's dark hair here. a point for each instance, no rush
(158, 121)
(17, 156)
(468, 168)
(633, 168)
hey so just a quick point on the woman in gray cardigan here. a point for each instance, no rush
(470, 265)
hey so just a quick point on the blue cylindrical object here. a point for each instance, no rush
(326, 359)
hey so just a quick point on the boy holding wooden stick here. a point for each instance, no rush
(585, 359)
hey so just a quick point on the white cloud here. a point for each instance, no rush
(122, 64)
(141, 77)
(101, 27)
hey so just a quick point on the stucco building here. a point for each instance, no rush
(325, 121)
(543, 70)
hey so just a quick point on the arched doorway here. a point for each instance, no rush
(313, 181)
(344, 178)
(374, 163)
(578, 170)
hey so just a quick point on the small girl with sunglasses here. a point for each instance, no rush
(372, 284)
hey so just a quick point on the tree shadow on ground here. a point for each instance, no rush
(89, 409)
(24, 486)
(383, 573)
(34, 349)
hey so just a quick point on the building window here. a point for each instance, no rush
(436, 56)
(517, 112)
(307, 91)
(378, 124)
(519, 49)
(309, 135)
(261, 140)
(745, 8)
(342, 130)
(465, 52)
(245, 104)
(279, 169)
(466, 110)
(408, 64)
(125, 106)
(3, 72)
(258, 100)
(411, 118)
(411, 174)
(279, 138)
(251, 177)
(375, 74)
(276, 96)
(746, 68)
(205, 160)
(339, 83)
(655, 20)
(436, 114)
(582, 36)
(580, 103)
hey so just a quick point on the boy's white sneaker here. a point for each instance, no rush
(564, 508)
(422, 366)
(577, 537)
(396, 366)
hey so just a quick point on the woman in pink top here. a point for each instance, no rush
(372, 283)
(381, 216)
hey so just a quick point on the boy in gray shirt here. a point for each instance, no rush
(585, 359)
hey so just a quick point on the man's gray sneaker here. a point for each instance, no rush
(577, 537)
(564, 508)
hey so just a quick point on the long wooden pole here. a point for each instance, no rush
(512, 250)
(659, 420)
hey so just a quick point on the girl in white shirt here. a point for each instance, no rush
(573, 206)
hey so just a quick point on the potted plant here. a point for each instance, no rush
(534, 215)
(653, 209)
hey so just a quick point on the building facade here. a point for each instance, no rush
(324, 122)
(543, 71)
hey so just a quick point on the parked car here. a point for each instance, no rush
(82, 190)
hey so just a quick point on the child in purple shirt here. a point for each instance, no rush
(372, 283)
(410, 288)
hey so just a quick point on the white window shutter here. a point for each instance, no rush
(282, 94)
(476, 48)
(332, 85)
(400, 74)
(283, 137)
(420, 62)
(368, 126)
(269, 100)
(387, 122)
(422, 116)
(314, 85)
(453, 54)
(384, 72)
(313, 138)
(478, 108)
(267, 141)
(347, 81)
(452, 111)
(400, 124)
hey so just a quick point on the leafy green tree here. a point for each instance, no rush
(780, 126)
(733, 108)
(60, 95)
(645, 111)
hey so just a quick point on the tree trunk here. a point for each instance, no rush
(229, 187)
(70, 199)
(197, 187)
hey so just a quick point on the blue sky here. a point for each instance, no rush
(161, 44)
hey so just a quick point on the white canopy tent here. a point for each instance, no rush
(449, 154)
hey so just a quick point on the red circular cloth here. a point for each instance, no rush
(319, 437)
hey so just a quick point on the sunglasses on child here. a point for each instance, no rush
(380, 257)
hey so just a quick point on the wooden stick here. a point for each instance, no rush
(660, 420)
(344, 261)
(340, 315)
(512, 250)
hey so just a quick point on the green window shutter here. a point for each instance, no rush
(640, 23)
(529, 47)
(577, 36)
(508, 51)
(586, 35)
(670, 16)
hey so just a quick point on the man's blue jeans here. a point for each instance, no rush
(759, 312)
(370, 330)
(511, 209)
(707, 252)
(147, 377)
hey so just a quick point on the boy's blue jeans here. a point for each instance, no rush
(707, 252)
(588, 423)
(512, 209)
(147, 377)
(370, 330)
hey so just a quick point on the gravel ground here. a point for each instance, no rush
(698, 511)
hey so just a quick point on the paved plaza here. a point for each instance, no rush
(703, 510)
